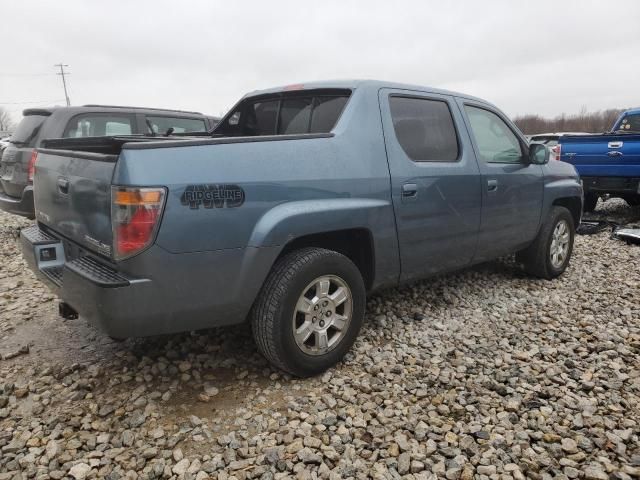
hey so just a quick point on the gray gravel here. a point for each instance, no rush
(483, 374)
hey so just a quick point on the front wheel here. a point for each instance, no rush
(590, 202)
(309, 311)
(548, 256)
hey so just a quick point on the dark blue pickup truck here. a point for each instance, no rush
(607, 163)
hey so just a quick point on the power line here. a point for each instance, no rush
(64, 82)
(7, 74)
(31, 102)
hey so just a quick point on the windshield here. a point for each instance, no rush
(289, 113)
(28, 129)
(180, 125)
(630, 123)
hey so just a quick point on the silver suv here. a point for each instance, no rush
(38, 124)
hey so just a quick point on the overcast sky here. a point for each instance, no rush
(544, 57)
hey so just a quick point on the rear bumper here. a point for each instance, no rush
(176, 292)
(94, 290)
(615, 185)
(18, 206)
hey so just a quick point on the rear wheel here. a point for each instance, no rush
(548, 256)
(309, 311)
(590, 202)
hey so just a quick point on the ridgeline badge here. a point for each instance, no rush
(212, 196)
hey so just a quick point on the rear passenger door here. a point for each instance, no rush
(435, 181)
(512, 188)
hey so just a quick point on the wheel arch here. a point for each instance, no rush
(573, 204)
(359, 228)
(354, 243)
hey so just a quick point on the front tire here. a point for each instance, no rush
(309, 311)
(590, 202)
(548, 256)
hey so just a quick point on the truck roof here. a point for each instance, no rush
(357, 83)
(105, 108)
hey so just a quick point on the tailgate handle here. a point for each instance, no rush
(63, 185)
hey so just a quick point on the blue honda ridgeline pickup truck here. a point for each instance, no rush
(307, 198)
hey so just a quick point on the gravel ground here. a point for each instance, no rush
(482, 374)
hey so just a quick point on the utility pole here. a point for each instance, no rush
(64, 82)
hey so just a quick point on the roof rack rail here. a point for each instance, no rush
(141, 108)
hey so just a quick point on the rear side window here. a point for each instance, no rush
(260, 118)
(295, 114)
(630, 123)
(286, 114)
(28, 129)
(179, 125)
(96, 125)
(424, 128)
(495, 140)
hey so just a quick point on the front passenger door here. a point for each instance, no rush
(512, 188)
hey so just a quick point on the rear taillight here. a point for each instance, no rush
(135, 216)
(556, 151)
(31, 169)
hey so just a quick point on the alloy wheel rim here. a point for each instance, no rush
(322, 315)
(559, 249)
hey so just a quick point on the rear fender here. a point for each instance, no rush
(288, 221)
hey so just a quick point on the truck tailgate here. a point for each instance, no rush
(72, 193)
(603, 155)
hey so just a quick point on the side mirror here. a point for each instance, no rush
(538, 154)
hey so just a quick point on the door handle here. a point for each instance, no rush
(409, 190)
(63, 185)
(615, 153)
(492, 186)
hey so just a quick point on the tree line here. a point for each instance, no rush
(592, 122)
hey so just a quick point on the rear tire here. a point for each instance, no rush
(548, 256)
(590, 202)
(309, 311)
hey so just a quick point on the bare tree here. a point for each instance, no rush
(6, 122)
(592, 122)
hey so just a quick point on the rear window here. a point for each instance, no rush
(96, 125)
(546, 140)
(630, 123)
(179, 125)
(424, 128)
(286, 114)
(28, 129)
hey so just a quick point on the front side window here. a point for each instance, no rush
(161, 125)
(92, 125)
(285, 114)
(496, 142)
(424, 128)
